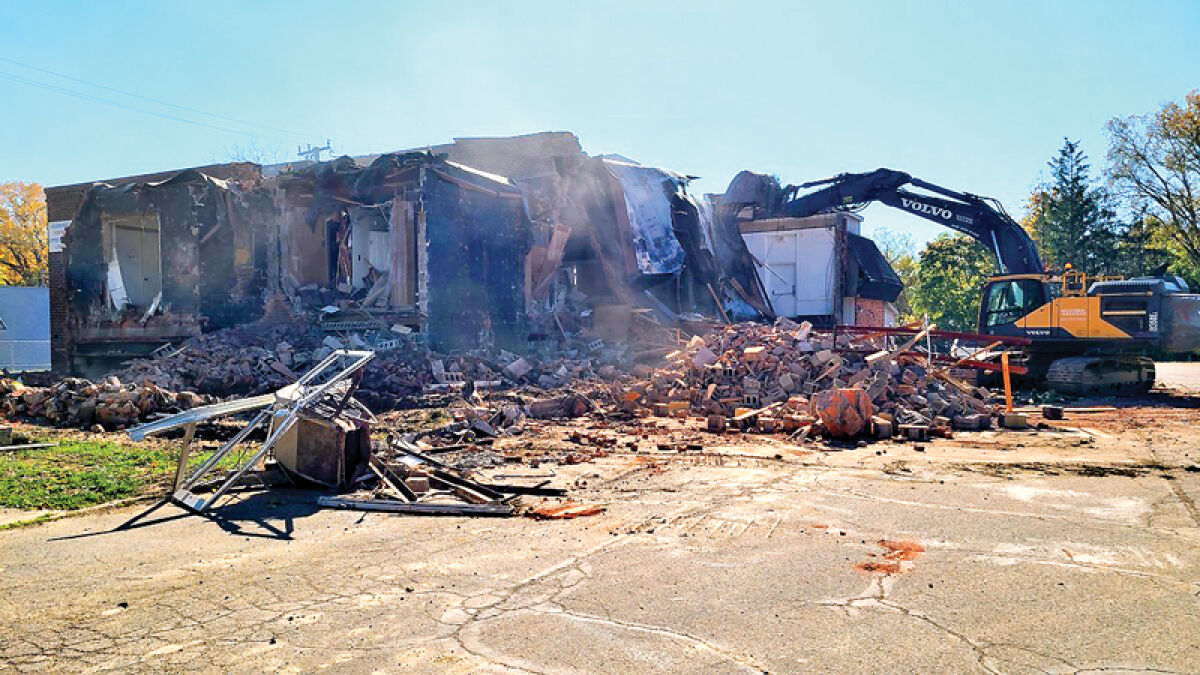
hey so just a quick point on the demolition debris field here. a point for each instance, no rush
(753, 553)
(751, 497)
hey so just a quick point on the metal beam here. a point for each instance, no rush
(422, 509)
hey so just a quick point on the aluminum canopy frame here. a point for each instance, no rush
(325, 390)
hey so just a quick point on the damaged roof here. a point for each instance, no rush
(877, 279)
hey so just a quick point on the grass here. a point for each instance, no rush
(76, 474)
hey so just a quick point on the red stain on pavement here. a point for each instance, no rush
(897, 552)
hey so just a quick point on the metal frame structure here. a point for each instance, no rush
(334, 378)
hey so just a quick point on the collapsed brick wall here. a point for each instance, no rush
(68, 282)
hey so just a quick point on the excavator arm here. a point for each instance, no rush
(977, 217)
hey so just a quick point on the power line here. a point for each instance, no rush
(97, 99)
(147, 98)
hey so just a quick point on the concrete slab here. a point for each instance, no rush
(970, 557)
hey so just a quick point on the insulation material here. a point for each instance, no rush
(704, 208)
(649, 209)
(116, 284)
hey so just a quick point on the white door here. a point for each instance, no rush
(780, 274)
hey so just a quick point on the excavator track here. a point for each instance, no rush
(1114, 374)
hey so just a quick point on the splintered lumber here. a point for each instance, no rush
(945, 376)
(970, 362)
(717, 300)
(970, 357)
(872, 358)
(390, 479)
(751, 413)
(915, 339)
(884, 353)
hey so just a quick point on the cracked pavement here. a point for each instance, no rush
(1066, 551)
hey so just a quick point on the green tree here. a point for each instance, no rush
(1070, 219)
(1154, 163)
(1145, 245)
(900, 252)
(950, 278)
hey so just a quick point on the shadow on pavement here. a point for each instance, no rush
(254, 512)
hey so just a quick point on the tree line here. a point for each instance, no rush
(1140, 213)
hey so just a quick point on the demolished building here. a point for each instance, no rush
(819, 268)
(484, 242)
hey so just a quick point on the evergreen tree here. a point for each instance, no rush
(1070, 218)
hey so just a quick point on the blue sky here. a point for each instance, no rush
(975, 96)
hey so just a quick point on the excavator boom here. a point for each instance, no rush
(1082, 343)
(978, 217)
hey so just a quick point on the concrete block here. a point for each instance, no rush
(972, 422)
(768, 424)
(704, 357)
(786, 382)
(883, 428)
(716, 423)
(518, 369)
(914, 432)
(1014, 421)
(1052, 412)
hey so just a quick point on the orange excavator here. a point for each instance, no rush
(1089, 335)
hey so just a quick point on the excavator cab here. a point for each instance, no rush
(1008, 298)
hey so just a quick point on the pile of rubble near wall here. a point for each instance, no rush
(788, 378)
(256, 359)
(79, 403)
(264, 357)
(785, 378)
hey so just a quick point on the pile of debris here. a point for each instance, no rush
(260, 358)
(407, 480)
(76, 402)
(790, 378)
(246, 360)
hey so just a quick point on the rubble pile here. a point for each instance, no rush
(236, 361)
(260, 358)
(80, 403)
(791, 378)
(781, 378)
